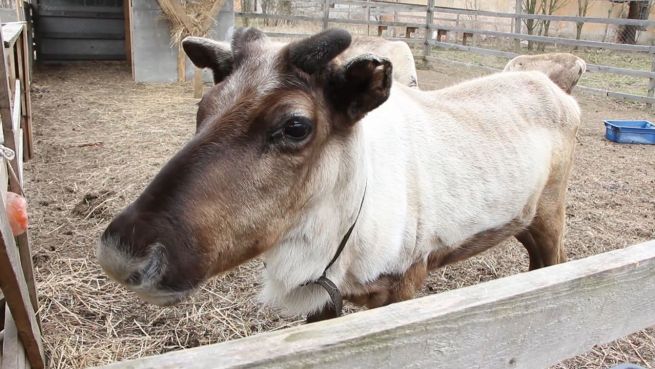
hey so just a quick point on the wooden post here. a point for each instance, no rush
(20, 12)
(651, 81)
(26, 60)
(518, 9)
(326, 14)
(368, 17)
(457, 26)
(429, 17)
(15, 288)
(197, 83)
(181, 64)
(128, 34)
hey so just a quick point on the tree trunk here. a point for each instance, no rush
(628, 34)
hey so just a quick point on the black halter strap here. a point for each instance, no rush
(324, 281)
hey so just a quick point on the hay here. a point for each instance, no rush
(190, 17)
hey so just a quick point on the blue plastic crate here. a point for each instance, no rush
(630, 131)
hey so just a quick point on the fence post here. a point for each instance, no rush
(651, 80)
(368, 17)
(429, 17)
(326, 13)
(518, 9)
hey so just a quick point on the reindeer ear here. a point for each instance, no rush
(313, 53)
(361, 85)
(206, 53)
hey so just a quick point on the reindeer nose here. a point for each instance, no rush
(129, 250)
(129, 270)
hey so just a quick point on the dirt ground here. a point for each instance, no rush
(100, 137)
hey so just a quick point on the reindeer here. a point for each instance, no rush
(346, 184)
(563, 68)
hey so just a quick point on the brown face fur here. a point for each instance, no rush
(239, 184)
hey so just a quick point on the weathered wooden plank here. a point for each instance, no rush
(10, 33)
(389, 6)
(128, 31)
(15, 114)
(552, 40)
(287, 35)
(13, 352)
(378, 23)
(26, 59)
(617, 95)
(14, 286)
(329, 20)
(563, 18)
(526, 321)
(23, 75)
(622, 71)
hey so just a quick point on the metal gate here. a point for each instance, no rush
(80, 30)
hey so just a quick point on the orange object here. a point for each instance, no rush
(16, 207)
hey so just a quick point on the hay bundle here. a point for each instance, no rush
(190, 17)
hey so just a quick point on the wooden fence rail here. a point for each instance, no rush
(526, 321)
(436, 24)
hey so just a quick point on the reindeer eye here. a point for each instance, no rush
(297, 128)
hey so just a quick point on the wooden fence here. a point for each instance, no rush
(526, 321)
(434, 26)
(21, 334)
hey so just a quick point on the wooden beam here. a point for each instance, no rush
(555, 40)
(14, 286)
(560, 18)
(10, 33)
(26, 59)
(388, 6)
(127, 30)
(526, 321)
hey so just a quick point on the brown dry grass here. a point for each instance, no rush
(101, 137)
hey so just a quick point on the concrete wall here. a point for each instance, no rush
(153, 58)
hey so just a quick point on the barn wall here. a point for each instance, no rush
(153, 57)
(80, 30)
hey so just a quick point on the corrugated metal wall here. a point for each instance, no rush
(80, 30)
